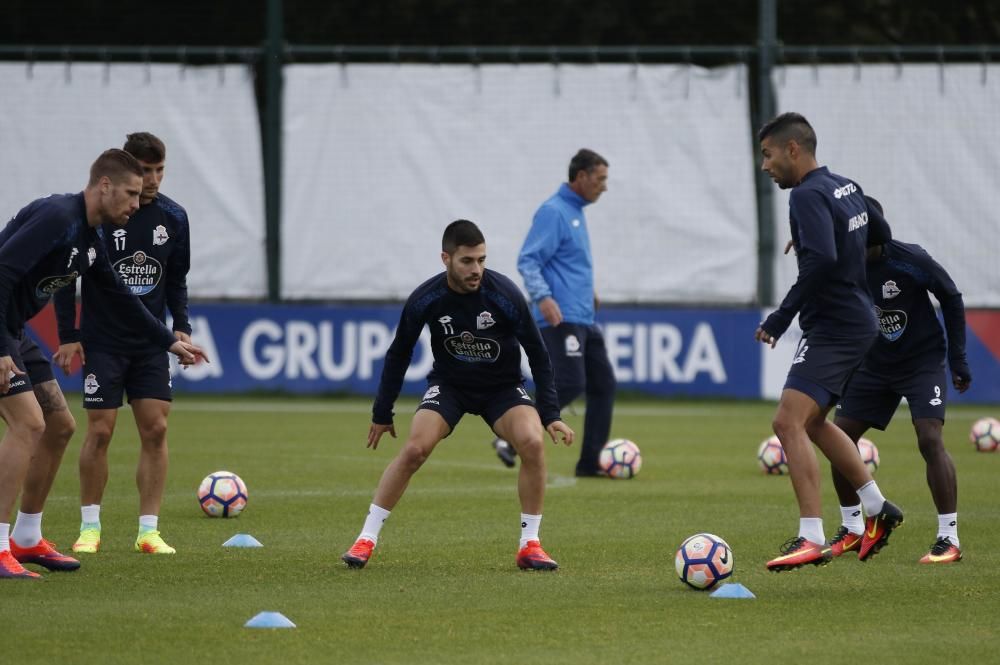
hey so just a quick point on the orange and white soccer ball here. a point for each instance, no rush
(222, 494)
(703, 560)
(985, 435)
(771, 457)
(869, 454)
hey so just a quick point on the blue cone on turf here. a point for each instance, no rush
(269, 620)
(242, 540)
(733, 590)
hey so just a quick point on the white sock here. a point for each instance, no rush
(91, 515)
(27, 529)
(148, 523)
(529, 528)
(373, 523)
(871, 498)
(4, 536)
(948, 527)
(811, 528)
(851, 518)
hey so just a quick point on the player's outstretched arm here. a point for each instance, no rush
(376, 431)
(63, 357)
(558, 428)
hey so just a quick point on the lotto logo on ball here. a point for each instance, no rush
(222, 494)
(620, 458)
(985, 435)
(771, 457)
(703, 560)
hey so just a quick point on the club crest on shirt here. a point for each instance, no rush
(160, 236)
(92, 255)
(572, 346)
(90, 384)
(891, 323)
(484, 321)
(890, 290)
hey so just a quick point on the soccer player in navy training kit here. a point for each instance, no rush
(151, 256)
(831, 226)
(45, 247)
(477, 318)
(908, 360)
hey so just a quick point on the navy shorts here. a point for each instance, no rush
(29, 358)
(452, 403)
(106, 376)
(822, 366)
(872, 397)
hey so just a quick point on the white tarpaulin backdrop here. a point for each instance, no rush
(922, 139)
(55, 119)
(379, 158)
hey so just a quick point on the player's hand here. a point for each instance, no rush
(7, 367)
(961, 382)
(375, 433)
(188, 354)
(63, 357)
(788, 246)
(550, 311)
(558, 428)
(182, 336)
(764, 337)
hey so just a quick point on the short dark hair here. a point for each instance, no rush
(146, 147)
(879, 231)
(461, 233)
(585, 160)
(115, 164)
(790, 127)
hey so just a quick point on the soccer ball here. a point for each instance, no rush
(985, 434)
(703, 560)
(620, 458)
(222, 494)
(869, 454)
(771, 457)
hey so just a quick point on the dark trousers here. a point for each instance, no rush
(580, 360)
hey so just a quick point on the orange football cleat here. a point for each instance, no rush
(844, 541)
(798, 552)
(943, 551)
(533, 557)
(44, 554)
(360, 552)
(11, 567)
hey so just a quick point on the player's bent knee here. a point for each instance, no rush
(413, 456)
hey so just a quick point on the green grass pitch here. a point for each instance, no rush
(442, 586)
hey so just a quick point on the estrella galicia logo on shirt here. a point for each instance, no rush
(471, 349)
(140, 272)
(891, 323)
(484, 321)
(90, 384)
(50, 285)
(890, 290)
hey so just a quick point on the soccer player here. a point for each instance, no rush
(45, 247)
(152, 257)
(477, 318)
(830, 223)
(908, 360)
(557, 267)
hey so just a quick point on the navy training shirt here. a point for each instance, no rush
(910, 333)
(829, 223)
(475, 340)
(44, 248)
(152, 255)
